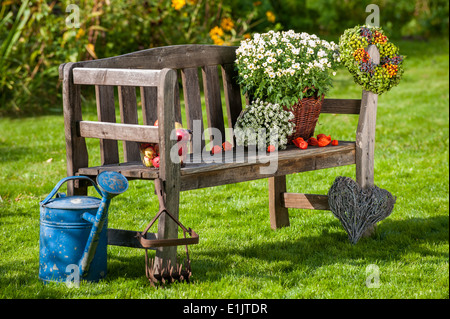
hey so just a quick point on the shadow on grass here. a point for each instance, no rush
(392, 241)
(12, 153)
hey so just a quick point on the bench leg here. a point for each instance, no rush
(167, 228)
(75, 188)
(365, 145)
(279, 216)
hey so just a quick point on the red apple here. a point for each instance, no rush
(182, 135)
(271, 148)
(155, 162)
(216, 149)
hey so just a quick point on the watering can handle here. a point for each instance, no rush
(53, 192)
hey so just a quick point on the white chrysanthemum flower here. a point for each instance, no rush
(266, 60)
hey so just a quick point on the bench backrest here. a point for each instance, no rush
(203, 69)
(215, 63)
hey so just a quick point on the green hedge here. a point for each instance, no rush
(399, 18)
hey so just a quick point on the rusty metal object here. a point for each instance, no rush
(169, 273)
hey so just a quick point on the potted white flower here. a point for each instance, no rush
(291, 69)
(264, 124)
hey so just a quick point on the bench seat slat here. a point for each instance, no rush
(243, 168)
(119, 131)
(290, 161)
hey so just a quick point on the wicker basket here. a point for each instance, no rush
(306, 112)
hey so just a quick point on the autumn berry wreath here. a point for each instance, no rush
(377, 78)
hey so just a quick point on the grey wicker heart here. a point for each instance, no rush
(356, 208)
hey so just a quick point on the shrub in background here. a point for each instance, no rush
(35, 38)
(416, 19)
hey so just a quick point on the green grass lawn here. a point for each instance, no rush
(238, 255)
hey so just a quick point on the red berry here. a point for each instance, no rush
(319, 136)
(227, 146)
(313, 141)
(297, 141)
(334, 142)
(271, 148)
(303, 145)
(324, 141)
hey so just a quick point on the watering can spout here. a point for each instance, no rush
(110, 185)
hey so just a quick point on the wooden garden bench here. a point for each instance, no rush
(156, 72)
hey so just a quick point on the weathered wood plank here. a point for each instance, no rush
(131, 170)
(365, 140)
(115, 77)
(243, 159)
(128, 115)
(193, 106)
(214, 174)
(119, 131)
(76, 151)
(305, 201)
(199, 175)
(106, 112)
(232, 92)
(174, 57)
(341, 106)
(177, 105)
(365, 133)
(279, 215)
(365, 137)
(169, 171)
(213, 101)
(149, 100)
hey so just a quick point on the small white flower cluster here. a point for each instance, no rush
(264, 124)
(279, 59)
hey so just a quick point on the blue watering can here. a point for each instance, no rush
(73, 230)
